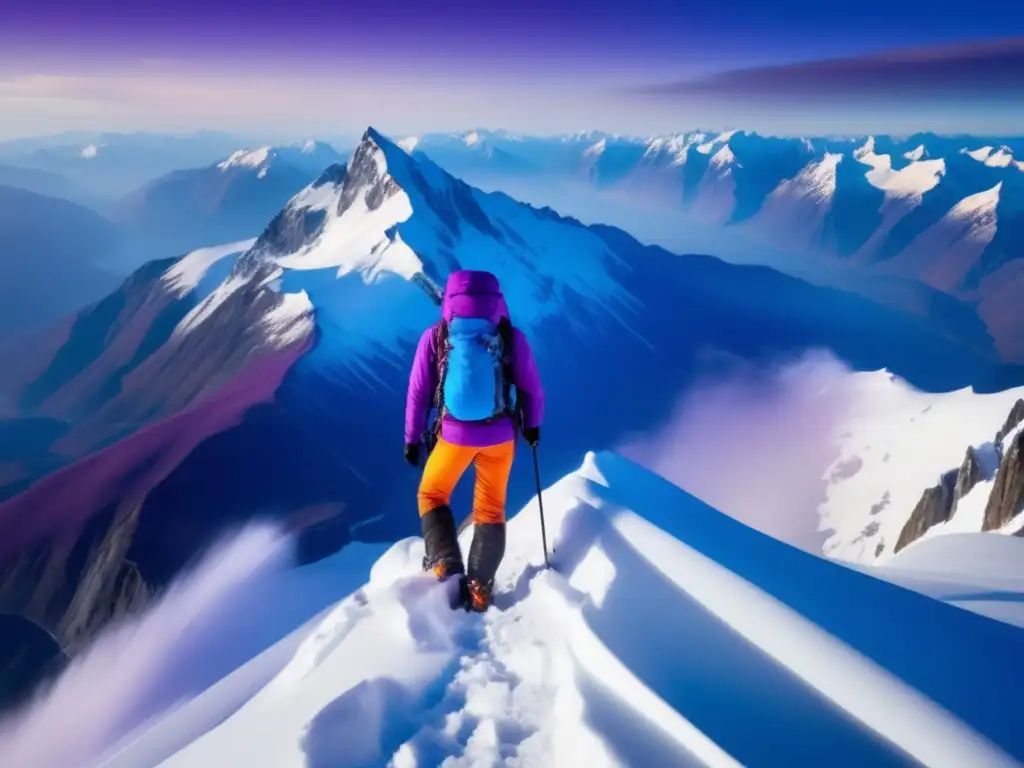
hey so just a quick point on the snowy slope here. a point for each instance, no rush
(976, 571)
(895, 442)
(944, 254)
(667, 634)
(795, 211)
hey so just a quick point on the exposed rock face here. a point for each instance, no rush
(969, 475)
(1012, 421)
(990, 461)
(74, 586)
(1007, 498)
(935, 506)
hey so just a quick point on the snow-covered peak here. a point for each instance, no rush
(247, 158)
(817, 180)
(472, 138)
(912, 181)
(672, 144)
(589, 135)
(915, 154)
(707, 147)
(866, 149)
(676, 147)
(980, 204)
(392, 215)
(981, 154)
(90, 151)
(992, 157)
(723, 157)
(1001, 158)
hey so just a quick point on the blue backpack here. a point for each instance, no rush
(474, 359)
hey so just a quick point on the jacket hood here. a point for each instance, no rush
(473, 293)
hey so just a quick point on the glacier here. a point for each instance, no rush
(665, 633)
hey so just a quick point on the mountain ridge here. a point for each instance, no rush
(323, 310)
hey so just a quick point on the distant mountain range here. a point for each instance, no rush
(220, 202)
(50, 256)
(944, 212)
(109, 165)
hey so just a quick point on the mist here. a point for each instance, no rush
(191, 636)
(755, 442)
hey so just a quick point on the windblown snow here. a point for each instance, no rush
(90, 151)
(665, 634)
(894, 443)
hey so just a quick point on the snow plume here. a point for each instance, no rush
(755, 442)
(189, 638)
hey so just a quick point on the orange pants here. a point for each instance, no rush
(447, 464)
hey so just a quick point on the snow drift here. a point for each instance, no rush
(667, 633)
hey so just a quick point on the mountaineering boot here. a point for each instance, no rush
(485, 555)
(477, 595)
(441, 543)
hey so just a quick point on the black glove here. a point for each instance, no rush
(412, 454)
(532, 435)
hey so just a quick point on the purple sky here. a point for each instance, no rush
(527, 65)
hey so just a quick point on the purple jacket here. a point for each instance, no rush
(472, 294)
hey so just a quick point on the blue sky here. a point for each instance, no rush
(532, 66)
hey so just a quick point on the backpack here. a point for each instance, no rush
(474, 370)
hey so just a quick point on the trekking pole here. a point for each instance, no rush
(540, 504)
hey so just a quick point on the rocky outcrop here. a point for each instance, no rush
(1012, 421)
(72, 587)
(991, 461)
(1007, 498)
(971, 473)
(935, 506)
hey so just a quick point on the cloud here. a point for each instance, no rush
(756, 442)
(983, 70)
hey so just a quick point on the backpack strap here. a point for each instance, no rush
(441, 354)
(505, 332)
